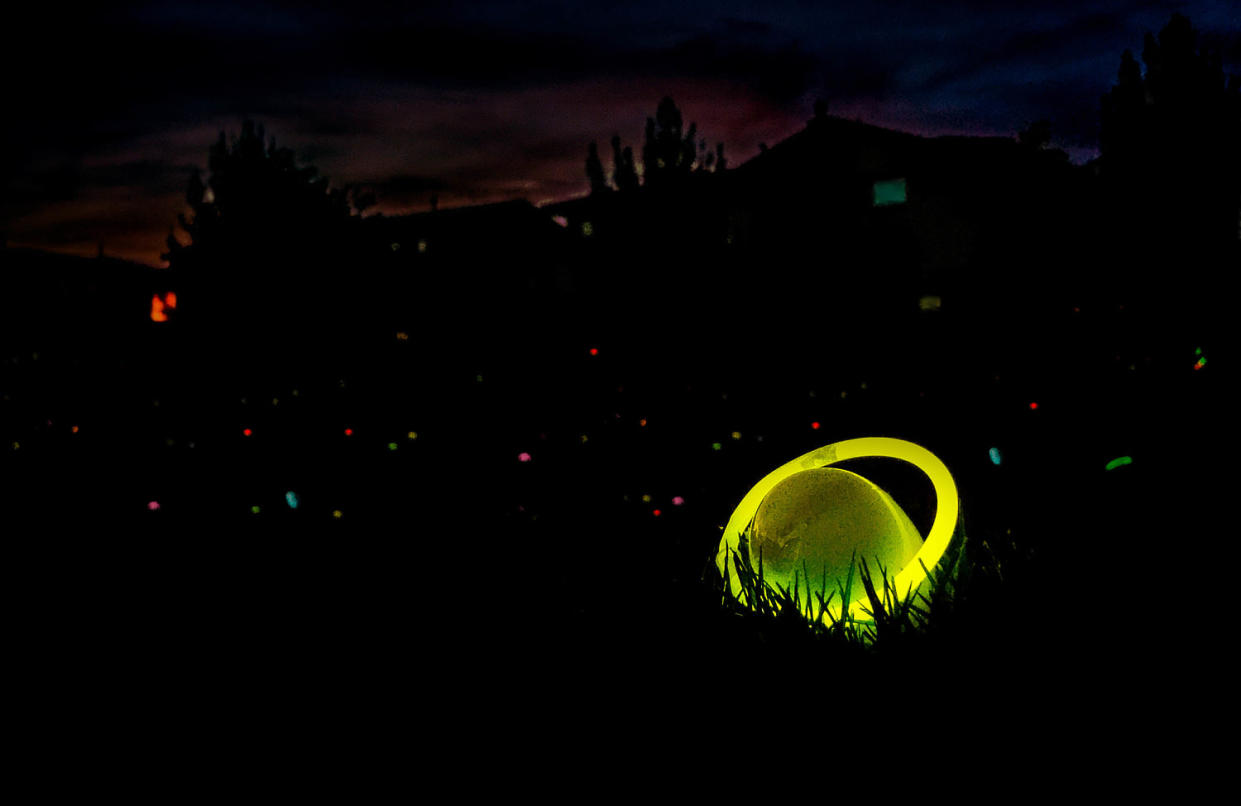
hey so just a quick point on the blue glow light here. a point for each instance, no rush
(995, 456)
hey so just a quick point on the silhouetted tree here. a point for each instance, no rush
(1170, 162)
(594, 170)
(624, 172)
(668, 155)
(1170, 140)
(267, 239)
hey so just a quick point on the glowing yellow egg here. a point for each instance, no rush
(815, 522)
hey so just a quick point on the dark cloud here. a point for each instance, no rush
(1227, 44)
(733, 25)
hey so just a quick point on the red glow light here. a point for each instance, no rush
(247, 431)
(657, 512)
(1033, 406)
(348, 432)
(594, 351)
(159, 304)
(815, 425)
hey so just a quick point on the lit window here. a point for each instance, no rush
(889, 191)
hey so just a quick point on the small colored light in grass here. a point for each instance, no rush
(1119, 461)
(395, 246)
(246, 431)
(157, 309)
(16, 446)
(291, 499)
(153, 506)
(412, 435)
(1202, 362)
(588, 229)
(1197, 351)
(677, 500)
(594, 351)
(254, 510)
(646, 499)
(715, 446)
(74, 429)
(295, 393)
(422, 246)
(337, 514)
(585, 439)
(523, 457)
(348, 432)
(815, 425)
(478, 378)
(657, 512)
(736, 435)
(1033, 406)
(402, 336)
(560, 221)
(642, 422)
(995, 456)
(391, 446)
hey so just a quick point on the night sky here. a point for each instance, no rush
(109, 110)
